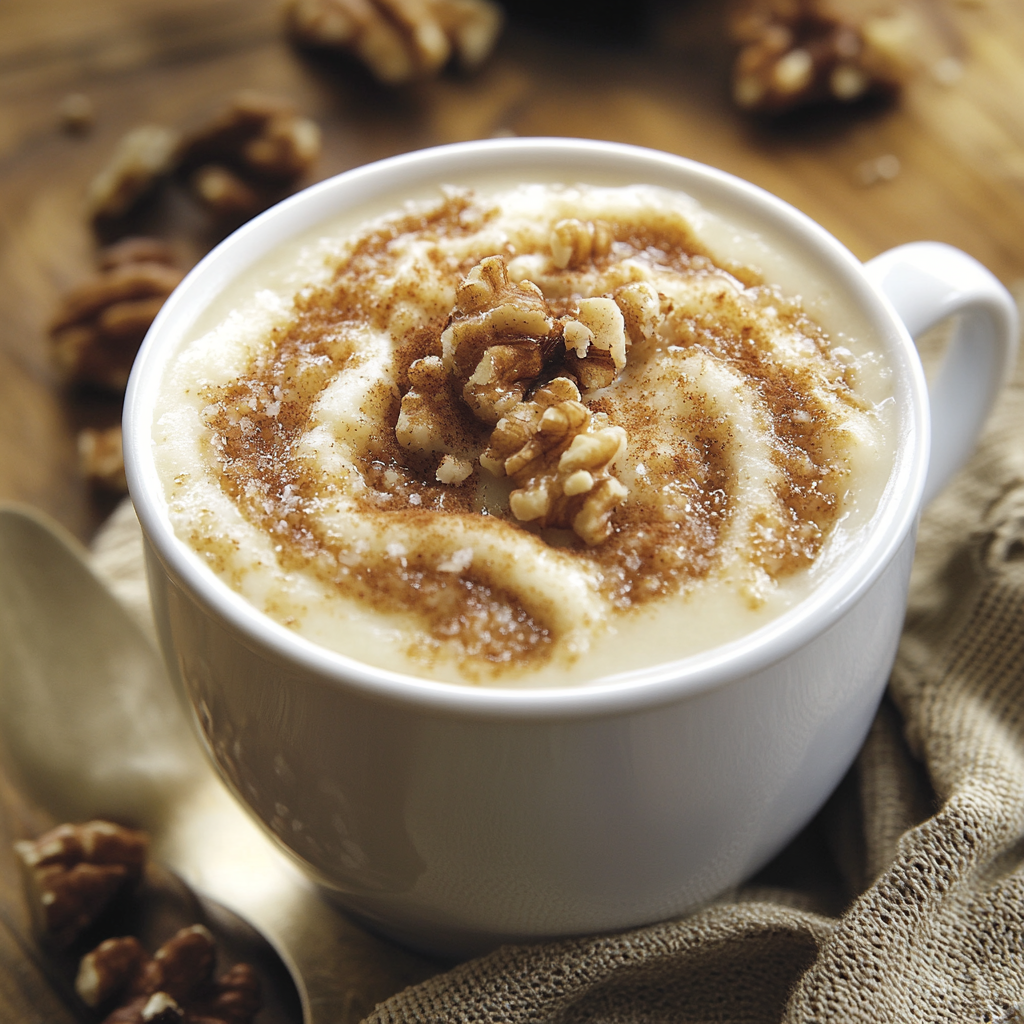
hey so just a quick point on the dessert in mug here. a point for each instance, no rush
(526, 436)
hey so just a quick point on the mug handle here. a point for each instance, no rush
(927, 282)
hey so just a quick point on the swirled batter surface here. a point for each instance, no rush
(535, 437)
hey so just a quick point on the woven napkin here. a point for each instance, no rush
(904, 899)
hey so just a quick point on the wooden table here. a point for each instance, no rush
(657, 76)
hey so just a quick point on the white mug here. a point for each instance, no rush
(455, 818)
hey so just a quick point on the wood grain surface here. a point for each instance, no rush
(653, 74)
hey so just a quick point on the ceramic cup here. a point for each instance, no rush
(455, 818)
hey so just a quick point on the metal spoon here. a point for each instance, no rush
(91, 728)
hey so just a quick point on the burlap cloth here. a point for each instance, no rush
(904, 900)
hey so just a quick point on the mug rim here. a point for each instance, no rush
(842, 587)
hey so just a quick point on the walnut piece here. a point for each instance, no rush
(238, 162)
(453, 471)
(176, 985)
(101, 459)
(143, 158)
(497, 340)
(225, 194)
(575, 243)
(73, 872)
(797, 52)
(76, 114)
(101, 322)
(560, 456)
(595, 341)
(426, 407)
(400, 40)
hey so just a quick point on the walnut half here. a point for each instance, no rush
(560, 455)
(400, 40)
(497, 340)
(73, 872)
(101, 322)
(797, 52)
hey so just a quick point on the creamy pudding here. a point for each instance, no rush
(533, 436)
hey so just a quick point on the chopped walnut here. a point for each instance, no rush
(453, 471)
(575, 242)
(560, 455)
(400, 40)
(238, 161)
(795, 52)
(108, 969)
(426, 407)
(498, 338)
(640, 306)
(143, 158)
(76, 114)
(101, 322)
(595, 342)
(74, 871)
(101, 459)
(177, 984)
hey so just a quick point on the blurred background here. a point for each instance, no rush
(885, 120)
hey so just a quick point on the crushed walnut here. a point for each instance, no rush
(101, 322)
(560, 455)
(595, 342)
(797, 52)
(176, 985)
(73, 872)
(499, 341)
(400, 40)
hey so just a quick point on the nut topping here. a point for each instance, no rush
(497, 340)
(595, 339)
(423, 421)
(74, 871)
(400, 40)
(575, 242)
(560, 455)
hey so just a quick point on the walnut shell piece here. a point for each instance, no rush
(400, 40)
(560, 455)
(73, 872)
(497, 340)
